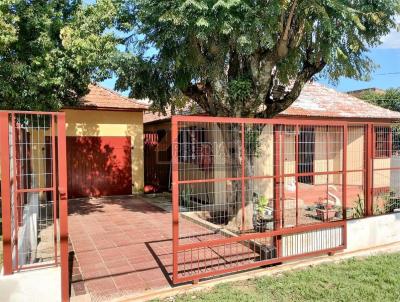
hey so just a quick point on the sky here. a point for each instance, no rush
(387, 75)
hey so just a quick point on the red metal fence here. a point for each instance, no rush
(253, 192)
(33, 189)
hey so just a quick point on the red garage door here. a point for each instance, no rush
(99, 166)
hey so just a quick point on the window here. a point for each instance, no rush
(190, 142)
(383, 142)
(194, 149)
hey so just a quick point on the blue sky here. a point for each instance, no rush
(387, 56)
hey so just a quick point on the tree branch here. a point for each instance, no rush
(282, 45)
(281, 104)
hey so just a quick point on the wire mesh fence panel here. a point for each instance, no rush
(32, 171)
(241, 187)
(386, 169)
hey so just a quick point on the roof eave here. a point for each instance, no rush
(104, 108)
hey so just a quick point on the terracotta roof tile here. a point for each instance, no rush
(317, 100)
(149, 116)
(103, 98)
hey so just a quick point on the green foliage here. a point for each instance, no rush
(262, 204)
(51, 50)
(358, 210)
(252, 140)
(390, 99)
(371, 279)
(232, 57)
(186, 200)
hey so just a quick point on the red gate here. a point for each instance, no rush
(33, 190)
(253, 192)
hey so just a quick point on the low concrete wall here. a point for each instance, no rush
(373, 231)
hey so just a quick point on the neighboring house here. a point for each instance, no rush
(104, 145)
(316, 102)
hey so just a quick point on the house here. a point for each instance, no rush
(316, 152)
(104, 146)
(316, 102)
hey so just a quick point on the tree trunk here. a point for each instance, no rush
(232, 140)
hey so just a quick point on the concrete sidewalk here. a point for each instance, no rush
(41, 285)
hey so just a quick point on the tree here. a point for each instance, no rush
(233, 56)
(246, 58)
(390, 99)
(51, 50)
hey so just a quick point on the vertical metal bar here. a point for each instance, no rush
(15, 185)
(243, 181)
(327, 170)
(297, 172)
(369, 169)
(344, 169)
(175, 198)
(277, 180)
(282, 180)
(54, 183)
(344, 184)
(63, 205)
(5, 193)
(390, 142)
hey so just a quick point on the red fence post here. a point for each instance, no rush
(5, 192)
(243, 180)
(63, 206)
(175, 198)
(277, 187)
(344, 184)
(369, 170)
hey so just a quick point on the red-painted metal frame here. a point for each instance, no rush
(369, 166)
(5, 192)
(58, 189)
(279, 231)
(278, 145)
(175, 198)
(63, 206)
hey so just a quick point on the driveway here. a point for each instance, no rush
(118, 246)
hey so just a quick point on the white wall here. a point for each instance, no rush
(373, 231)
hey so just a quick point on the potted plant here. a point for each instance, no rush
(358, 210)
(263, 215)
(326, 212)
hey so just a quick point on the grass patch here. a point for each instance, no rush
(375, 278)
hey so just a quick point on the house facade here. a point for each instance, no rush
(315, 144)
(104, 146)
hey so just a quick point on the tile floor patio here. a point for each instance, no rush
(118, 246)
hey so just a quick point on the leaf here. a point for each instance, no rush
(202, 22)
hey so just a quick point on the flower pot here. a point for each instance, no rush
(326, 214)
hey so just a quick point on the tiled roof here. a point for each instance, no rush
(103, 98)
(317, 100)
(149, 116)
